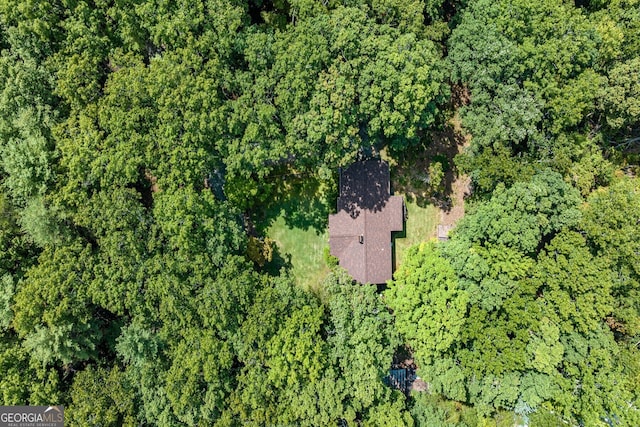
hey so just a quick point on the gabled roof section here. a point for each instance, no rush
(360, 232)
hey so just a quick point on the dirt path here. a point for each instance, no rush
(459, 189)
(461, 184)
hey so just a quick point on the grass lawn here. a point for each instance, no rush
(296, 219)
(303, 250)
(421, 226)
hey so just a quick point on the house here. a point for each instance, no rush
(360, 231)
(397, 379)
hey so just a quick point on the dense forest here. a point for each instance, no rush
(142, 140)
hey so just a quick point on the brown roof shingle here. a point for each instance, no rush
(360, 232)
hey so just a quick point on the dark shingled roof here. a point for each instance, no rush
(360, 233)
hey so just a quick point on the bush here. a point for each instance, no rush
(329, 259)
(260, 251)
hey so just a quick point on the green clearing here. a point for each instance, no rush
(303, 250)
(296, 219)
(421, 226)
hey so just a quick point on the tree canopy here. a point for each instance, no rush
(145, 144)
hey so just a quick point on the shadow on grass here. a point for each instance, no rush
(304, 203)
(278, 262)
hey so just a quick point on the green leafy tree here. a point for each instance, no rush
(618, 26)
(101, 396)
(27, 163)
(52, 311)
(281, 357)
(611, 223)
(551, 62)
(361, 339)
(194, 221)
(310, 95)
(522, 216)
(26, 380)
(199, 379)
(537, 323)
(201, 375)
(81, 60)
(574, 283)
(17, 254)
(619, 98)
(536, 75)
(428, 305)
(179, 349)
(291, 374)
(428, 410)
